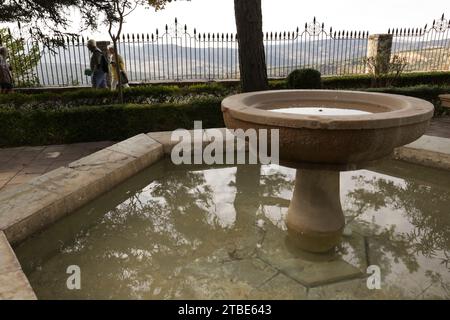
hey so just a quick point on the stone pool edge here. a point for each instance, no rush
(47, 198)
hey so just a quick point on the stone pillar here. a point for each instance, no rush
(379, 47)
(315, 220)
(103, 45)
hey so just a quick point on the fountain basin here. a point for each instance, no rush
(344, 140)
(327, 132)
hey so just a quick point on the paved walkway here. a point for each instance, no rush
(18, 165)
(440, 127)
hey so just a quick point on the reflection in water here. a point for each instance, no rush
(418, 238)
(219, 232)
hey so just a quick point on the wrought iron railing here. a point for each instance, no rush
(425, 49)
(179, 54)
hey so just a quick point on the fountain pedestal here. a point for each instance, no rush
(315, 219)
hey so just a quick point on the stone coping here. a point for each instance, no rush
(429, 151)
(40, 202)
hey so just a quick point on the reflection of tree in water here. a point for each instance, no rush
(425, 207)
(148, 238)
(254, 190)
(151, 228)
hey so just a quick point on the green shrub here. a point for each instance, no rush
(95, 123)
(41, 126)
(304, 79)
(277, 84)
(141, 94)
(364, 81)
(404, 80)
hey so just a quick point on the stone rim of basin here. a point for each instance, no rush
(386, 110)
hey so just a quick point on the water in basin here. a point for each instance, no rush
(175, 232)
(321, 111)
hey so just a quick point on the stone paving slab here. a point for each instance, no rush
(165, 138)
(24, 202)
(8, 260)
(439, 127)
(15, 286)
(236, 279)
(430, 151)
(280, 287)
(21, 164)
(203, 137)
(13, 282)
(315, 274)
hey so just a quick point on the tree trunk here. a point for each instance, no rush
(117, 67)
(252, 59)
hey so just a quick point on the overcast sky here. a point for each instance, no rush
(375, 16)
(279, 15)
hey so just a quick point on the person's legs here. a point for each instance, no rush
(99, 79)
(94, 80)
(114, 84)
(102, 80)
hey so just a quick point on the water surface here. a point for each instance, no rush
(177, 232)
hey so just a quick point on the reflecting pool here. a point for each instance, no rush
(192, 232)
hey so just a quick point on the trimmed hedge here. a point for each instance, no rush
(95, 123)
(364, 81)
(41, 126)
(143, 94)
(405, 80)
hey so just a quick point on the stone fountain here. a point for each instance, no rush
(323, 132)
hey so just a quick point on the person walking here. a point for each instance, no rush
(6, 79)
(98, 66)
(121, 78)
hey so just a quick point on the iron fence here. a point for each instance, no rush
(178, 54)
(425, 49)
